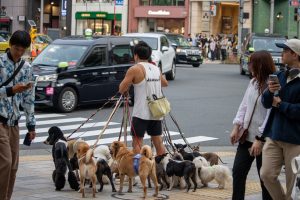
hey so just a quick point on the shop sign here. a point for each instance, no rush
(90, 15)
(119, 2)
(159, 12)
(63, 7)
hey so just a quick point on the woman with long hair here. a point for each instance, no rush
(251, 115)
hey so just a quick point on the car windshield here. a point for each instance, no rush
(2, 39)
(267, 44)
(5, 35)
(152, 42)
(179, 40)
(43, 39)
(56, 53)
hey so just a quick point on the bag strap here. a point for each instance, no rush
(14, 74)
(253, 111)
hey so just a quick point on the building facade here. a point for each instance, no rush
(219, 16)
(106, 17)
(159, 16)
(13, 15)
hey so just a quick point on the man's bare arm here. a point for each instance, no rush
(164, 82)
(127, 81)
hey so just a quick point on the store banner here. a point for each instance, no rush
(119, 2)
(63, 7)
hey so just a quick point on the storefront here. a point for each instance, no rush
(150, 18)
(5, 24)
(101, 23)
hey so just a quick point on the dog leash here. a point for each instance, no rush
(118, 104)
(77, 129)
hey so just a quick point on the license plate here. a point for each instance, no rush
(194, 58)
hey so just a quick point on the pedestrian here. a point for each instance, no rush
(17, 92)
(282, 130)
(251, 116)
(212, 48)
(146, 79)
(224, 42)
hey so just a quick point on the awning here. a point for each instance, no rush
(5, 20)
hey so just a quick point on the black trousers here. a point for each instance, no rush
(241, 167)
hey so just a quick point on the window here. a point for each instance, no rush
(96, 58)
(164, 42)
(121, 54)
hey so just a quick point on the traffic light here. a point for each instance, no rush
(213, 10)
(33, 33)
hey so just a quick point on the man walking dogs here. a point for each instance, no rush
(146, 79)
(282, 130)
(14, 92)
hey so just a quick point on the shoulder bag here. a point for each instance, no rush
(14, 74)
(159, 106)
(243, 132)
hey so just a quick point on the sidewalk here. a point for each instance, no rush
(34, 182)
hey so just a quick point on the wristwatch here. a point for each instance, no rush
(260, 138)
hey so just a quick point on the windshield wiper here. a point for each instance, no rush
(40, 64)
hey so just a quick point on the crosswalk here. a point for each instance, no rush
(89, 132)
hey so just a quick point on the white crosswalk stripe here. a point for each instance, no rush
(89, 132)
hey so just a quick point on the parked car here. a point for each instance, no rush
(256, 42)
(185, 53)
(5, 34)
(163, 54)
(75, 71)
(4, 45)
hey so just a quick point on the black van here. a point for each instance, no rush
(75, 70)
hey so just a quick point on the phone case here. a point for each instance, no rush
(27, 141)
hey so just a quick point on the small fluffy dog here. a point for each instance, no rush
(60, 159)
(220, 173)
(87, 166)
(126, 159)
(186, 156)
(184, 169)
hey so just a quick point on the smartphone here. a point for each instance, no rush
(273, 78)
(27, 141)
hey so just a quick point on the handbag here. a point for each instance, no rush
(243, 132)
(159, 106)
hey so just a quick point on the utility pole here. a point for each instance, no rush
(42, 17)
(272, 17)
(241, 14)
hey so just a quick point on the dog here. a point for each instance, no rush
(102, 154)
(60, 159)
(147, 168)
(186, 156)
(87, 167)
(127, 164)
(211, 157)
(220, 173)
(181, 169)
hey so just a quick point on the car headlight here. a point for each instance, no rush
(180, 50)
(51, 77)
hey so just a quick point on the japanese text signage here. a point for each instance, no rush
(119, 2)
(63, 7)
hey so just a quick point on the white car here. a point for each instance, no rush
(163, 54)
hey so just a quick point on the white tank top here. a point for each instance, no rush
(143, 89)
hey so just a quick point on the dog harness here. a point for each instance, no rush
(136, 163)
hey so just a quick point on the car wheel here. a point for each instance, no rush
(171, 74)
(67, 100)
(196, 65)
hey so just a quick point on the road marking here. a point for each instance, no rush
(56, 121)
(42, 116)
(70, 127)
(195, 139)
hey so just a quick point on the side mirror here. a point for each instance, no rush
(164, 48)
(174, 45)
(62, 66)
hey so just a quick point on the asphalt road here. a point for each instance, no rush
(204, 101)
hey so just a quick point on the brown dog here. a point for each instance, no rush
(87, 166)
(211, 157)
(147, 168)
(125, 159)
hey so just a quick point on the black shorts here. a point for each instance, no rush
(140, 126)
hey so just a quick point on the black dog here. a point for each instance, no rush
(104, 169)
(186, 156)
(184, 169)
(60, 159)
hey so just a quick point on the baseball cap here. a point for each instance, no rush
(293, 44)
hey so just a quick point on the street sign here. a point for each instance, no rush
(64, 8)
(119, 2)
